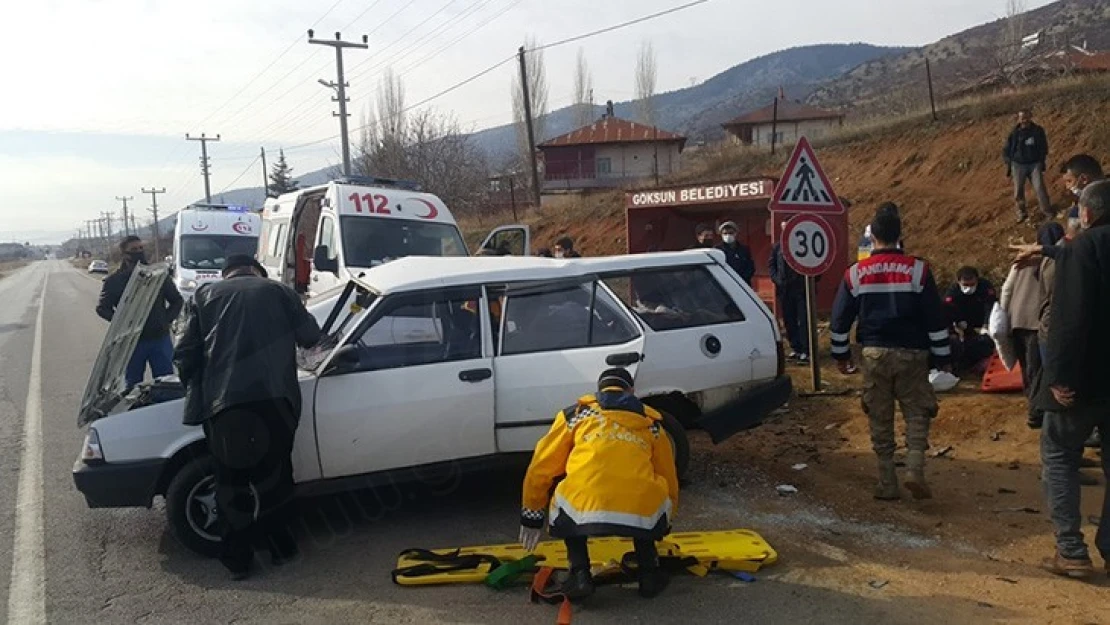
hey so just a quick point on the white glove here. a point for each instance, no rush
(530, 537)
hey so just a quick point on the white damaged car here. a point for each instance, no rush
(450, 364)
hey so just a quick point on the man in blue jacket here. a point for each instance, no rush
(900, 321)
(1025, 153)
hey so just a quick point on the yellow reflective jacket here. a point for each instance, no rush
(619, 470)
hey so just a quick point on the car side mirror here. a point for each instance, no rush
(346, 358)
(322, 262)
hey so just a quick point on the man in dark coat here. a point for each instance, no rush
(237, 359)
(968, 304)
(738, 256)
(790, 292)
(1075, 374)
(1025, 153)
(155, 347)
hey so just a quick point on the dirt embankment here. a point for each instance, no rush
(947, 176)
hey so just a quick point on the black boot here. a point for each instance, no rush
(578, 585)
(653, 582)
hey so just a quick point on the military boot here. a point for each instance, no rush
(887, 489)
(915, 475)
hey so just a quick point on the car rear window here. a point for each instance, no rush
(673, 299)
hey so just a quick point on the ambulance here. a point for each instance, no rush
(204, 237)
(317, 239)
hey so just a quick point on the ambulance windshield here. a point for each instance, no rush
(210, 251)
(371, 242)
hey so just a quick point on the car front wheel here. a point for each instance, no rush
(679, 442)
(191, 507)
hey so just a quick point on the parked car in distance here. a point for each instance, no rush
(98, 266)
(439, 365)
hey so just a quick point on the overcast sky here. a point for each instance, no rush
(98, 94)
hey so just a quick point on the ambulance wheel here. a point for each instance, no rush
(679, 442)
(191, 506)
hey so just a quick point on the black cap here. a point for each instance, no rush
(239, 261)
(615, 378)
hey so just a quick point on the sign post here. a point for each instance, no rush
(808, 242)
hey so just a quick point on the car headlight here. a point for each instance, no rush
(91, 453)
(187, 285)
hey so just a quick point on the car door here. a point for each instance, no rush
(553, 343)
(516, 239)
(420, 391)
(326, 238)
(701, 333)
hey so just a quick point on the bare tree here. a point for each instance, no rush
(428, 147)
(537, 94)
(1009, 51)
(646, 75)
(583, 91)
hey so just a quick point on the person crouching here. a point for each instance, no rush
(620, 480)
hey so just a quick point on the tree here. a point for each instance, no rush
(281, 177)
(429, 148)
(583, 106)
(537, 92)
(1009, 52)
(646, 74)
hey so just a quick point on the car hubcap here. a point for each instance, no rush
(201, 509)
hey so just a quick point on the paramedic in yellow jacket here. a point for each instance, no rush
(620, 480)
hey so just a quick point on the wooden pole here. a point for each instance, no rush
(811, 315)
(929, 75)
(774, 126)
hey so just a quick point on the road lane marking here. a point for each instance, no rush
(27, 592)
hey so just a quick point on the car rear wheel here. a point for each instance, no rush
(679, 442)
(191, 506)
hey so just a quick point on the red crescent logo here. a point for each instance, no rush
(433, 212)
(200, 226)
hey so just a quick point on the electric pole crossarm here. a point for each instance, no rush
(154, 225)
(204, 162)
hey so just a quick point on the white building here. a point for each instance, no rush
(784, 124)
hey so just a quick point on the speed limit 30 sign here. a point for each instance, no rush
(808, 244)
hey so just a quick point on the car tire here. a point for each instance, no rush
(679, 442)
(189, 497)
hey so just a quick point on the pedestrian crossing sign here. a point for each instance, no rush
(804, 188)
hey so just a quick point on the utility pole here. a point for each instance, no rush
(154, 227)
(126, 221)
(528, 124)
(929, 76)
(265, 177)
(204, 168)
(340, 88)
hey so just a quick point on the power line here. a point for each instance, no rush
(619, 26)
(241, 174)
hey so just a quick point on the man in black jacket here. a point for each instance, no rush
(738, 256)
(968, 304)
(155, 347)
(1075, 372)
(238, 361)
(1025, 153)
(790, 292)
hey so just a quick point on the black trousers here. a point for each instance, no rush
(251, 444)
(1028, 350)
(578, 553)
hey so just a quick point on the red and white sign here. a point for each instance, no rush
(375, 202)
(809, 244)
(804, 188)
(242, 227)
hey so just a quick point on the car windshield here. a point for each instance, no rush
(368, 242)
(210, 252)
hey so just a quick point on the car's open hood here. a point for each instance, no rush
(107, 383)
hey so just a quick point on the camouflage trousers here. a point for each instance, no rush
(901, 375)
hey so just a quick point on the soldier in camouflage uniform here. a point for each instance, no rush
(900, 321)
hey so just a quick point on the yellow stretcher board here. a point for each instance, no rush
(728, 550)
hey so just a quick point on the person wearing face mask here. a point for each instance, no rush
(564, 248)
(155, 347)
(968, 303)
(1077, 398)
(738, 256)
(1075, 174)
(704, 237)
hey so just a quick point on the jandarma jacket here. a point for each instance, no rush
(619, 467)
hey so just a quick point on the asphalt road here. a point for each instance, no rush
(123, 566)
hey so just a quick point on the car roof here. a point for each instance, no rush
(415, 273)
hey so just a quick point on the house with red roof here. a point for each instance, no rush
(785, 123)
(611, 152)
